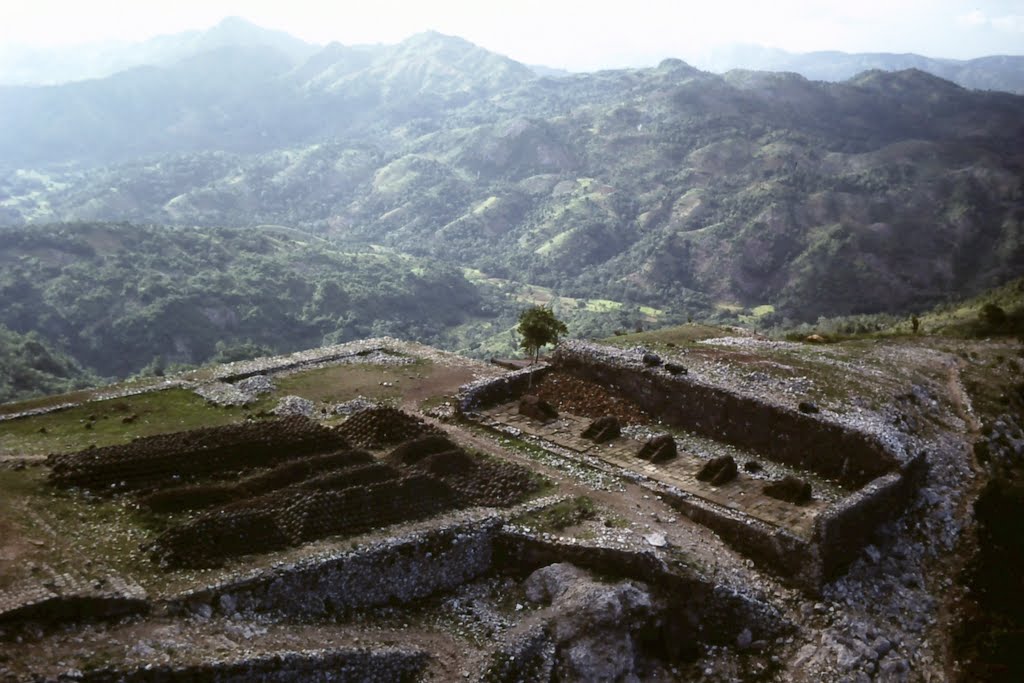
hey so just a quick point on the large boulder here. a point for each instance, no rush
(536, 408)
(718, 471)
(661, 448)
(676, 369)
(790, 489)
(603, 429)
(596, 626)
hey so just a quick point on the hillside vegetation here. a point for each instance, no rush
(119, 298)
(624, 198)
(659, 187)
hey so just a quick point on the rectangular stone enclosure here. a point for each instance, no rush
(860, 480)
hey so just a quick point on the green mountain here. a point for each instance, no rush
(666, 192)
(116, 297)
(30, 366)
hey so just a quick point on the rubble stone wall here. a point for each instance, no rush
(397, 570)
(489, 392)
(347, 665)
(789, 437)
(720, 614)
(769, 546)
(841, 531)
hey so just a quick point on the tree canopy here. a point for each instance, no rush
(538, 327)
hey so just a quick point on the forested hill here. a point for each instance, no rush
(118, 298)
(887, 192)
(626, 197)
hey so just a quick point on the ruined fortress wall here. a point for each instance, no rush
(397, 570)
(767, 545)
(492, 391)
(841, 531)
(789, 437)
(720, 614)
(342, 665)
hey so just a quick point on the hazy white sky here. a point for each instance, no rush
(561, 33)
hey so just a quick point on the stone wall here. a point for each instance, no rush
(338, 666)
(489, 392)
(879, 482)
(770, 546)
(397, 570)
(718, 614)
(849, 457)
(847, 526)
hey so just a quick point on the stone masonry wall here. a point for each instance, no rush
(789, 437)
(337, 666)
(488, 392)
(397, 570)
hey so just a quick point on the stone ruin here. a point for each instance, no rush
(151, 462)
(292, 481)
(387, 511)
(382, 512)
(868, 477)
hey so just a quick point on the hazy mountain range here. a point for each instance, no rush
(669, 188)
(22, 65)
(996, 72)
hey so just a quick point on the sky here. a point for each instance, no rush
(569, 34)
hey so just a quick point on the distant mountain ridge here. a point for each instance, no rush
(668, 188)
(49, 66)
(20, 65)
(995, 72)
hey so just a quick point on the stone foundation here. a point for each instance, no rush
(875, 476)
(337, 666)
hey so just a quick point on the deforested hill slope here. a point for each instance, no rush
(887, 192)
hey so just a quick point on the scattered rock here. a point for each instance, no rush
(228, 604)
(651, 360)
(202, 610)
(661, 448)
(753, 466)
(596, 626)
(536, 408)
(790, 489)
(808, 407)
(294, 405)
(718, 471)
(256, 385)
(676, 368)
(744, 639)
(354, 406)
(603, 429)
(657, 539)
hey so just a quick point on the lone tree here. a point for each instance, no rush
(539, 326)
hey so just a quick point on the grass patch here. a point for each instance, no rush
(113, 421)
(602, 305)
(341, 383)
(65, 528)
(559, 516)
(678, 335)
